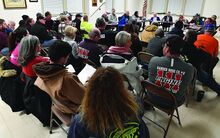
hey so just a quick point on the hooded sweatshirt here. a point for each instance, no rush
(62, 86)
(148, 33)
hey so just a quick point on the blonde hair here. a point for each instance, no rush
(70, 31)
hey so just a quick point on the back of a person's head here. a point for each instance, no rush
(129, 28)
(175, 44)
(59, 49)
(85, 18)
(136, 13)
(21, 23)
(39, 14)
(155, 23)
(122, 38)
(70, 31)
(2, 21)
(100, 22)
(16, 36)
(94, 33)
(191, 36)
(159, 32)
(63, 18)
(107, 100)
(27, 50)
(179, 25)
(25, 17)
(47, 13)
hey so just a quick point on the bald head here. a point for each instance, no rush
(94, 34)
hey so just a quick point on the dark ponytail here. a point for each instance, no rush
(15, 37)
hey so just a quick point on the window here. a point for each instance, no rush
(54, 6)
(175, 6)
(159, 6)
(193, 6)
(74, 6)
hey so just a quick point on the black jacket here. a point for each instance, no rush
(40, 31)
(107, 38)
(11, 88)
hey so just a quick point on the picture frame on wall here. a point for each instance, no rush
(94, 3)
(14, 4)
(33, 0)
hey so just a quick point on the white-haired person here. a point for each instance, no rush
(28, 55)
(121, 58)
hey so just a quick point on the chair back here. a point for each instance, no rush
(144, 44)
(163, 94)
(91, 63)
(144, 57)
(159, 92)
(63, 117)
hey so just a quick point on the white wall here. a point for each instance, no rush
(93, 9)
(15, 14)
(75, 6)
(108, 6)
(132, 6)
(212, 7)
(119, 6)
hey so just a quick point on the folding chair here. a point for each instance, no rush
(144, 59)
(191, 88)
(64, 118)
(164, 94)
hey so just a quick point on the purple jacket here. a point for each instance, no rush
(3, 40)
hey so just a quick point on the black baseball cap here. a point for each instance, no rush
(78, 15)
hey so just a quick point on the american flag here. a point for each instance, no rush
(144, 11)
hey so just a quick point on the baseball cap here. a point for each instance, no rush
(40, 17)
(175, 43)
(78, 15)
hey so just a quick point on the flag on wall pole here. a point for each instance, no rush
(144, 11)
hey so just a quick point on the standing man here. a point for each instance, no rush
(171, 72)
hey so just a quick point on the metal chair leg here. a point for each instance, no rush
(51, 122)
(178, 117)
(168, 125)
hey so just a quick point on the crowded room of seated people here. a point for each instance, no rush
(109, 69)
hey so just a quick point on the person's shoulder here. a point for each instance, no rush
(156, 59)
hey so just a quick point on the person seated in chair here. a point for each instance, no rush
(197, 57)
(108, 110)
(106, 35)
(155, 45)
(29, 55)
(177, 30)
(149, 32)
(89, 49)
(86, 27)
(39, 29)
(155, 18)
(171, 72)
(209, 44)
(167, 22)
(121, 58)
(54, 79)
